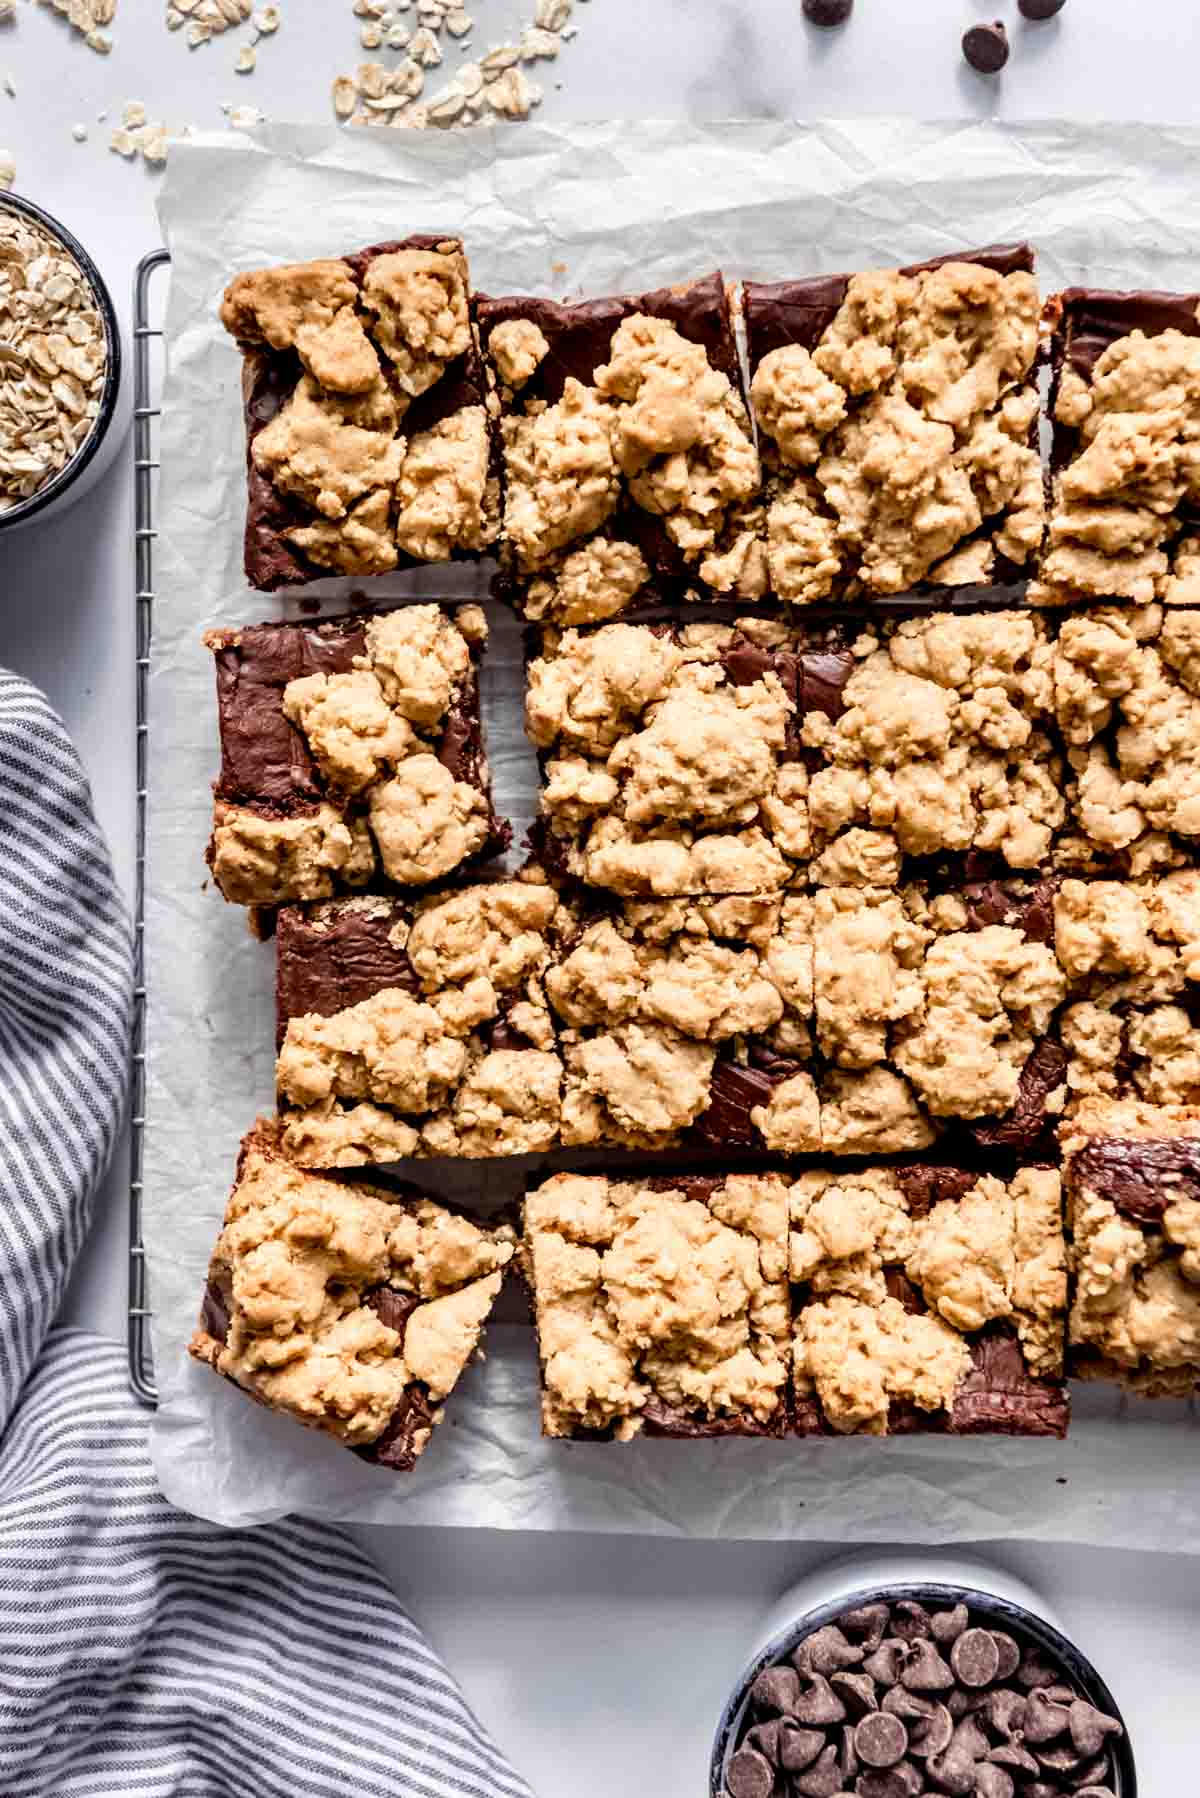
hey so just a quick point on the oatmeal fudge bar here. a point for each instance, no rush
(351, 750)
(935, 1013)
(1130, 951)
(931, 736)
(1131, 1172)
(898, 417)
(369, 443)
(671, 759)
(1127, 704)
(417, 1028)
(1124, 519)
(353, 1309)
(629, 461)
(928, 1297)
(661, 1304)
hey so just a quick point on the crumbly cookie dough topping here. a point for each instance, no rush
(296, 1265)
(904, 433)
(658, 1297)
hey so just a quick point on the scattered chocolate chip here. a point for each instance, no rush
(823, 1779)
(1043, 1720)
(818, 1702)
(750, 1775)
(1040, 9)
(970, 1740)
(934, 1735)
(1010, 1654)
(947, 1626)
(870, 1621)
(799, 1748)
(828, 1650)
(776, 1689)
(881, 1740)
(886, 1663)
(902, 1781)
(926, 1671)
(961, 1702)
(1089, 1727)
(765, 1737)
(910, 1620)
(975, 1657)
(829, 12)
(986, 47)
(1033, 1671)
(953, 1770)
(1006, 1712)
(848, 1755)
(899, 1703)
(993, 1782)
(1011, 1754)
(856, 1691)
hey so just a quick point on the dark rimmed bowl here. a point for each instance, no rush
(1005, 1612)
(101, 443)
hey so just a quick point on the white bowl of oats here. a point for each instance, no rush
(60, 366)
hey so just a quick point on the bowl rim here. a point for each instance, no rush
(1005, 1611)
(70, 472)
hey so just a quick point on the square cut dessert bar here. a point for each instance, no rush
(661, 1304)
(1124, 518)
(928, 1297)
(351, 751)
(897, 413)
(629, 463)
(417, 1028)
(354, 1309)
(1131, 1173)
(369, 443)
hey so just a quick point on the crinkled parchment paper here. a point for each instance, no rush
(591, 209)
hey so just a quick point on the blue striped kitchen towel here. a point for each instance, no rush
(144, 1654)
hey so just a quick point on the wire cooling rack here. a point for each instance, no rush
(148, 293)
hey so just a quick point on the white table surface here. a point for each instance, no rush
(599, 1663)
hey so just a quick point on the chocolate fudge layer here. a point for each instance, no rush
(351, 751)
(928, 737)
(417, 1029)
(351, 1308)
(1132, 1177)
(368, 435)
(629, 461)
(1127, 702)
(928, 1298)
(1125, 402)
(671, 759)
(898, 415)
(661, 1305)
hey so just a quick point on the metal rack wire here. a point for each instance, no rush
(146, 414)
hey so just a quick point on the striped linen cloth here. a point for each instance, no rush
(144, 1654)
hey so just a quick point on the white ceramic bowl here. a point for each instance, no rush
(96, 453)
(935, 1578)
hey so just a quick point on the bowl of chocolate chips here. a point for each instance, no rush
(897, 1680)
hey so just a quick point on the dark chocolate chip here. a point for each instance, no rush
(926, 1671)
(828, 12)
(1093, 1772)
(993, 1782)
(823, 1779)
(1059, 1758)
(1089, 1727)
(828, 1651)
(881, 1740)
(1040, 9)
(776, 1689)
(934, 1735)
(961, 1703)
(847, 1755)
(1010, 1654)
(948, 1626)
(1095, 1792)
(1005, 1712)
(1033, 1671)
(902, 1781)
(214, 1312)
(968, 1739)
(750, 1775)
(870, 1621)
(856, 1691)
(1011, 1754)
(910, 1620)
(975, 1657)
(953, 1771)
(886, 1663)
(899, 1703)
(1044, 1721)
(818, 1702)
(798, 1748)
(765, 1737)
(986, 47)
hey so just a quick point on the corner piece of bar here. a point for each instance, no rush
(630, 471)
(369, 439)
(351, 752)
(897, 412)
(353, 1309)
(1124, 519)
(661, 1304)
(1132, 1176)
(928, 1297)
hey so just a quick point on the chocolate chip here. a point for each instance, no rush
(1006, 1712)
(887, 1662)
(750, 1775)
(1011, 1754)
(1089, 1727)
(1043, 1720)
(926, 1671)
(1058, 1759)
(934, 1735)
(993, 1782)
(1095, 1792)
(1010, 1654)
(848, 1755)
(961, 1702)
(828, 12)
(975, 1657)
(870, 1621)
(1041, 1789)
(824, 1777)
(856, 1691)
(828, 1651)
(947, 1626)
(910, 1620)
(765, 1737)
(1040, 9)
(881, 1740)
(899, 1703)
(776, 1689)
(798, 1748)
(818, 1702)
(1033, 1671)
(903, 1781)
(1093, 1772)
(986, 47)
(953, 1770)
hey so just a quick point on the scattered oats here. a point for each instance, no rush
(397, 38)
(469, 80)
(370, 36)
(247, 56)
(79, 133)
(87, 17)
(512, 94)
(8, 10)
(344, 96)
(99, 41)
(133, 114)
(570, 32)
(425, 48)
(447, 106)
(244, 118)
(198, 33)
(123, 142)
(265, 20)
(537, 43)
(368, 9)
(458, 23)
(174, 19)
(8, 169)
(154, 144)
(552, 15)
